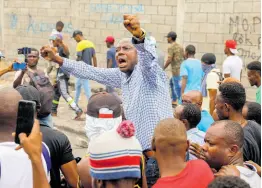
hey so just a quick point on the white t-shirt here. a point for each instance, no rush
(233, 66)
(250, 176)
(16, 168)
(212, 79)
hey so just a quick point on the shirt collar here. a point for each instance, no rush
(192, 131)
(128, 78)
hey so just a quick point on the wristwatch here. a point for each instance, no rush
(140, 39)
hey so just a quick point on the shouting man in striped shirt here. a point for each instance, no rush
(144, 84)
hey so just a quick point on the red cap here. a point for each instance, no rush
(232, 45)
(110, 39)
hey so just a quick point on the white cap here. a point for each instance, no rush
(233, 51)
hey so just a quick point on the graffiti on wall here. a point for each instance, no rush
(38, 26)
(247, 34)
(113, 13)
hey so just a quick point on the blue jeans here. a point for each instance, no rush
(79, 83)
(48, 121)
(175, 84)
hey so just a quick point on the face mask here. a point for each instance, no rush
(205, 67)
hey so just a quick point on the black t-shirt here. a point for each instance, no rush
(60, 150)
(252, 142)
(60, 72)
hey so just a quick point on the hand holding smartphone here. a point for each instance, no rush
(25, 118)
(19, 66)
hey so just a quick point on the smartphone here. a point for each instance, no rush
(25, 118)
(19, 66)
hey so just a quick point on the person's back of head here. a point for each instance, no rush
(234, 94)
(208, 59)
(228, 182)
(59, 26)
(8, 112)
(252, 111)
(30, 93)
(230, 79)
(170, 138)
(193, 97)
(119, 148)
(191, 115)
(190, 50)
(104, 113)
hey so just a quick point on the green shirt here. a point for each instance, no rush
(258, 95)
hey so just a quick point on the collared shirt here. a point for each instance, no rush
(249, 174)
(145, 92)
(195, 136)
(258, 95)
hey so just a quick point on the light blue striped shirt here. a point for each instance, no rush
(145, 93)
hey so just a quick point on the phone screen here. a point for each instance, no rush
(25, 118)
(19, 66)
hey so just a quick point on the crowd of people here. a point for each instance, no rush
(205, 134)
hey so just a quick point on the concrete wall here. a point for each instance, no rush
(204, 23)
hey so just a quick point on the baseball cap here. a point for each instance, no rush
(171, 34)
(29, 93)
(104, 105)
(232, 45)
(116, 154)
(209, 58)
(110, 39)
(77, 32)
(1, 55)
(55, 36)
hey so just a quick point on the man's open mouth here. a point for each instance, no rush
(122, 62)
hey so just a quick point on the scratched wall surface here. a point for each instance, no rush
(208, 24)
(29, 23)
(204, 23)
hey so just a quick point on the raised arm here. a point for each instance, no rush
(32, 145)
(109, 77)
(6, 70)
(147, 57)
(148, 60)
(18, 78)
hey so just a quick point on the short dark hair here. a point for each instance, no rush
(254, 112)
(191, 50)
(209, 58)
(192, 114)
(228, 182)
(234, 94)
(34, 50)
(233, 132)
(59, 23)
(255, 66)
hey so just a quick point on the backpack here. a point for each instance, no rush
(220, 76)
(46, 90)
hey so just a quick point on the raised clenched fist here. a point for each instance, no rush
(132, 24)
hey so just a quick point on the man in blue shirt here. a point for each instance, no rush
(195, 97)
(190, 71)
(110, 58)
